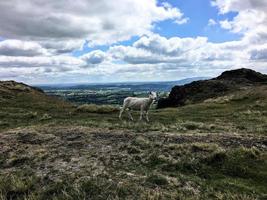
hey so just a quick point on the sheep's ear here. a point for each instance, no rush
(150, 92)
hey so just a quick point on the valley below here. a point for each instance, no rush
(111, 93)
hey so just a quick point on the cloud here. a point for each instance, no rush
(226, 24)
(135, 55)
(250, 14)
(39, 61)
(99, 22)
(94, 57)
(251, 22)
(182, 21)
(155, 49)
(191, 53)
(8, 75)
(259, 54)
(38, 45)
(62, 47)
(172, 46)
(239, 5)
(245, 21)
(212, 22)
(21, 48)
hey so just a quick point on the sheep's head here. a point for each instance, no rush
(153, 96)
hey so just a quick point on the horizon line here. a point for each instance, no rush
(120, 82)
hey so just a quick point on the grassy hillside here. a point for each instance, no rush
(51, 149)
(21, 105)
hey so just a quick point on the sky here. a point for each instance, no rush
(88, 41)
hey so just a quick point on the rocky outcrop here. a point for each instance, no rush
(199, 91)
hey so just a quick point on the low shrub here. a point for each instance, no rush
(93, 108)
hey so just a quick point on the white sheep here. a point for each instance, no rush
(136, 103)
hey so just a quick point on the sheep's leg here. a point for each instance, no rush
(141, 114)
(147, 119)
(130, 115)
(121, 111)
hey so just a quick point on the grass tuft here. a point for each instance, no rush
(157, 179)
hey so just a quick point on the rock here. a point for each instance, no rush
(198, 91)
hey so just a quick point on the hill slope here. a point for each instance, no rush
(23, 104)
(10, 89)
(198, 91)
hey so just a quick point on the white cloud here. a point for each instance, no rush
(192, 53)
(94, 57)
(62, 47)
(251, 22)
(172, 46)
(100, 22)
(212, 22)
(43, 42)
(250, 14)
(226, 24)
(244, 21)
(135, 55)
(259, 54)
(39, 35)
(39, 61)
(152, 57)
(182, 21)
(155, 49)
(21, 48)
(226, 6)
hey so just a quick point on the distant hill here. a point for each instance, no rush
(130, 86)
(198, 91)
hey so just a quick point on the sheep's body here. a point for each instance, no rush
(135, 103)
